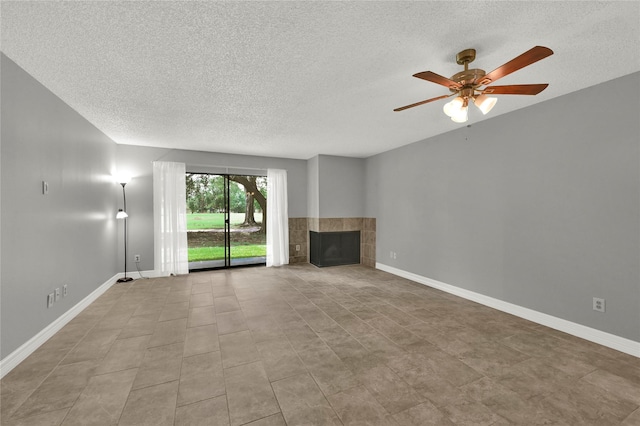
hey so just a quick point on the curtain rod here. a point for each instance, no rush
(208, 165)
(225, 167)
(220, 167)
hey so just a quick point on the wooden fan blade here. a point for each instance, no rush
(526, 59)
(515, 89)
(422, 103)
(438, 79)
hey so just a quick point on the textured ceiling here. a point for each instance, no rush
(297, 79)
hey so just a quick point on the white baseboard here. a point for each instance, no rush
(9, 362)
(612, 341)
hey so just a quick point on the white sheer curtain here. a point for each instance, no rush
(277, 218)
(170, 218)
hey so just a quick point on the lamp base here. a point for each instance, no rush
(124, 280)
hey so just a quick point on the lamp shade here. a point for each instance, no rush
(121, 214)
(485, 103)
(122, 178)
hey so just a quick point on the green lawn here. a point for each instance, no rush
(197, 221)
(197, 254)
(214, 220)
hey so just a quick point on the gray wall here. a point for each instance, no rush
(138, 160)
(539, 207)
(335, 186)
(313, 187)
(341, 183)
(65, 237)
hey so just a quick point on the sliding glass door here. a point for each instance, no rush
(225, 225)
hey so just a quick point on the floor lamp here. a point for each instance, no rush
(122, 214)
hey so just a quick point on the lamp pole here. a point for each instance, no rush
(124, 216)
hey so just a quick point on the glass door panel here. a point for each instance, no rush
(248, 237)
(206, 215)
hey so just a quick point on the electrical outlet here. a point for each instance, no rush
(297, 247)
(50, 300)
(57, 294)
(598, 304)
(395, 254)
(64, 290)
(136, 258)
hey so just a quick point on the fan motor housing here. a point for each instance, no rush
(468, 77)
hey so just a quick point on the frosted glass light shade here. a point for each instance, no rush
(454, 107)
(485, 103)
(461, 116)
(121, 214)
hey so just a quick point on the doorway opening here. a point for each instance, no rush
(226, 220)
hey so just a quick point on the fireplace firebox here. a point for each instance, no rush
(334, 248)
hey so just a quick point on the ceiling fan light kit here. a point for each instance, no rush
(457, 109)
(467, 84)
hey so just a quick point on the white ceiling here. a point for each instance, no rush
(297, 79)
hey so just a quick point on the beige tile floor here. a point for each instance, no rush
(305, 346)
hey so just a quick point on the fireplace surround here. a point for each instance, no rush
(299, 244)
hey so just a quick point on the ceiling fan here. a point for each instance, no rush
(467, 84)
